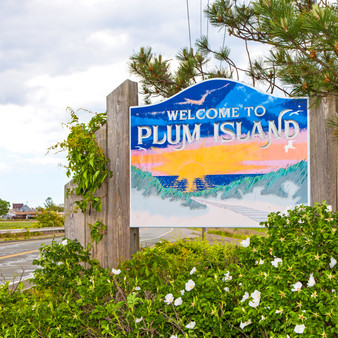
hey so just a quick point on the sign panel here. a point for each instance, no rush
(218, 154)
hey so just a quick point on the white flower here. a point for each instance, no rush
(173, 336)
(256, 298)
(193, 270)
(333, 262)
(64, 242)
(279, 311)
(261, 261)
(243, 325)
(226, 277)
(297, 286)
(191, 325)
(311, 281)
(169, 298)
(116, 272)
(299, 328)
(137, 288)
(245, 243)
(190, 285)
(182, 292)
(329, 207)
(226, 289)
(276, 261)
(178, 301)
(245, 297)
(288, 208)
(139, 319)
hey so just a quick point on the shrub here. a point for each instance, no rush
(275, 286)
(50, 218)
(293, 272)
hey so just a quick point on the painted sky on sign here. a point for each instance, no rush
(216, 94)
(221, 159)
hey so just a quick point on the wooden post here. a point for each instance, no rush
(118, 151)
(134, 240)
(74, 221)
(99, 250)
(120, 241)
(323, 154)
(204, 230)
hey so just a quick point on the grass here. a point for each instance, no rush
(240, 233)
(25, 236)
(22, 224)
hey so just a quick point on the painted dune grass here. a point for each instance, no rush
(271, 183)
(149, 185)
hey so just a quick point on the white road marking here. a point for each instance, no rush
(149, 239)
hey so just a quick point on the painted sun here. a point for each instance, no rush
(190, 172)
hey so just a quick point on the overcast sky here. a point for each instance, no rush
(60, 53)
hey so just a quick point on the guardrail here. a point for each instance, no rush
(51, 230)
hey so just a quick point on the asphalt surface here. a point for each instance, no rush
(16, 258)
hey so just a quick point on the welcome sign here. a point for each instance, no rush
(218, 154)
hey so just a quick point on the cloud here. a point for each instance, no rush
(13, 88)
(30, 163)
(4, 168)
(58, 35)
(28, 129)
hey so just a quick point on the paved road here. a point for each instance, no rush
(150, 236)
(16, 258)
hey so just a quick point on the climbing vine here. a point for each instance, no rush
(87, 164)
(97, 230)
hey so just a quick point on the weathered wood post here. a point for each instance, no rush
(99, 250)
(74, 221)
(119, 241)
(118, 151)
(323, 153)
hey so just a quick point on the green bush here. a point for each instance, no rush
(50, 218)
(293, 272)
(189, 288)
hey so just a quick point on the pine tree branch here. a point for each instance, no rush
(250, 63)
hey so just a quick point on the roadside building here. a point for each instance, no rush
(20, 211)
